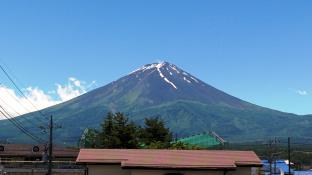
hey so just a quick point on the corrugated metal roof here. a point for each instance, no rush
(192, 159)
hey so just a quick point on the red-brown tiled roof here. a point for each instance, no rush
(26, 150)
(190, 159)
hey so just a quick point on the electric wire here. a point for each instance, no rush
(19, 114)
(20, 91)
(22, 129)
(19, 126)
(42, 123)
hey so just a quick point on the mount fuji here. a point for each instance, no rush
(187, 105)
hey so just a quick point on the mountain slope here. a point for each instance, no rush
(187, 104)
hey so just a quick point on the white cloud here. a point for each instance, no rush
(37, 99)
(75, 81)
(302, 92)
(70, 90)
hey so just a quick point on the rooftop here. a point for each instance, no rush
(181, 159)
(204, 140)
(26, 150)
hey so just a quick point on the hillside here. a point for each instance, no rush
(187, 104)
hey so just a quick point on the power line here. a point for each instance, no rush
(19, 114)
(15, 99)
(16, 112)
(19, 90)
(19, 126)
(16, 123)
(43, 122)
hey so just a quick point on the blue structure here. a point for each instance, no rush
(303, 173)
(278, 167)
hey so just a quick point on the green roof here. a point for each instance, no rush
(204, 140)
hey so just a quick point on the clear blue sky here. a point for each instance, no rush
(260, 51)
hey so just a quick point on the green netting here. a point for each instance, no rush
(202, 140)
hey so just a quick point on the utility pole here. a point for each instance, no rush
(289, 156)
(50, 146)
(270, 155)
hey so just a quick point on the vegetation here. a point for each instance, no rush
(89, 138)
(118, 132)
(155, 134)
(184, 146)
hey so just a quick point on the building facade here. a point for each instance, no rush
(25, 159)
(169, 162)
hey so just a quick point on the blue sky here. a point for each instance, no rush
(259, 51)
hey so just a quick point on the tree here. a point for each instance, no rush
(184, 146)
(106, 136)
(155, 134)
(126, 132)
(89, 138)
(118, 132)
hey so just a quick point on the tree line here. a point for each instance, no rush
(118, 132)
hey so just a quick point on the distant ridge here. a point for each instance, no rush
(187, 105)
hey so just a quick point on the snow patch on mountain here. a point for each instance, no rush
(173, 85)
(185, 79)
(184, 73)
(158, 66)
(148, 67)
(175, 69)
(165, 68)
(194, 79)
